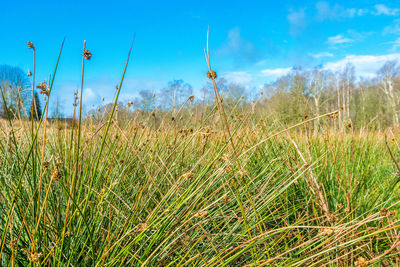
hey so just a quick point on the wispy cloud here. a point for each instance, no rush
(239, 77)
(297, 21)
(240, 49)
(395, 44)
(322, 54)
(327, 12)
(393, 29)
(323, 10)
(275, 72)
(384, 10)
(365, 65)
(339, 39)
(90, 96)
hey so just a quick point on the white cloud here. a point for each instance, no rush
(394, 28)
(362, 11)
(261, 62)
(89, 96)
(242, 51)
(339, 39)
(365, 65)
(297, 21)
(240, 77)
(275, 72)
(384, 10)
(396, 44)
(327, 12)
(322, 54)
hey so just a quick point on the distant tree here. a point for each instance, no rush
(223, 87)
(14, 84)
(58, 109)
(387, 77)
(346, 88)
(146, 98)
(236, 91)
(290, 100)
(175, 94)
(38, 113)
(319, 81)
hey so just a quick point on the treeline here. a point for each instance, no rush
(16, 94)
(360, 102)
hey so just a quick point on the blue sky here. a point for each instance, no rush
(251, 42)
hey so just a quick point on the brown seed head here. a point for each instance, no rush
(141, 227)
(327, 231)
(191, 98)
(43, 87)
(201, 214)
(188, 175)
(87, 55)
(361, 262)
(212, 75)
(383, 212)
(13, 244)
(56, 174)
(30, 45)
(46, 164)
(225, 198)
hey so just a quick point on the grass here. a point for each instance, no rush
(227, 187)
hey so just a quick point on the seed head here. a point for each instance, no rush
(33, 256)
(30, 45)
(46, 164)
(225, 198)
(334, 115)
(188, 175)
(383, 212)
(87, 55)
(13, 244)
(191, 98)
(327, 231)
(361, 262)
(43, 87)
(56, 174)
(201, 214)
(141, 227)
(212, 75)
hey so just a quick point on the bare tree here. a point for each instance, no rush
(387, 76)
(14, 83)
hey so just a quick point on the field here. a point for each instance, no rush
(183, 195)
(197, 185)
